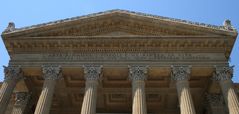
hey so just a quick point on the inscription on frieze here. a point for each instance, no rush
(121, 56)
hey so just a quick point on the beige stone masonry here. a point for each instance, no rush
(181, 75)
(138, 74)
(51, 74)
(92, 75)
(12, 76)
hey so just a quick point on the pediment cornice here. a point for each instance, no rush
(119, 20)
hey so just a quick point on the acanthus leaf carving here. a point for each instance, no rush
(137, 72)
(214, 99)
(180, 72)
(92, 72)
(22, 98)
(51, 72)
(222, 73)
(13, 73)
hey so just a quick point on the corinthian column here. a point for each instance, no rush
(223, 74)
(51, 74)
(215, 103)
(12, 76)
(181, 75)
(138, 74)
(92, 76)
(22, 99)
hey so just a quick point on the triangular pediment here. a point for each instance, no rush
(117, 33)
(119, 22)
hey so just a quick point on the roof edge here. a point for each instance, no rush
(227, 27)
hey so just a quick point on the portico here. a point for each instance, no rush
(105, 63)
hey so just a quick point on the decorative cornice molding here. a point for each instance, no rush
(13, 73)
(92, 72)
(179, 73)
(137, 72)
(223, 73)
(51, 72)
(126, 12)
(127, 43)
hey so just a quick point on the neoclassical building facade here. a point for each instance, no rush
(119, 62)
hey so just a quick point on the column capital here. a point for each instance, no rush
(22, 98)
(222, 73)
(13, 73)
(180, 72)
(214, 99)
(51, 72)
(137, 72)
(92, 72)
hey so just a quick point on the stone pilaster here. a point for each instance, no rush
(223, 74)
(137, 74)
(51, 74)
(21, 101)
(12, 76)
(181, 75)
(215, 104)
(92, 76)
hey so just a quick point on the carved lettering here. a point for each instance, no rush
(121, 57)
(126, 56)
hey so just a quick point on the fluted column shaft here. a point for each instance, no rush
(50, 74)
(230, 96)
(20, 106)
(185, 98)
(89, 102)
(215, 104)
(92, 76)
(223, 75)
(181, 75)
(138, 74)
(12, 76)
(139, 101)
(45, 99)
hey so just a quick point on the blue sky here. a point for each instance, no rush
(30, 12)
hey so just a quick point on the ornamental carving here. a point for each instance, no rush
(214, 99)
(180, 72)
(51, 72)
(222, 73)
(22, 98)
(138, 72)
(92, 72)
(117, 43)
(12, 73)
(10, 27)
(123, 13)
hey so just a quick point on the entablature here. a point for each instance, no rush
(117, 44)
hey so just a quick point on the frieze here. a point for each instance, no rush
(120, 57)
